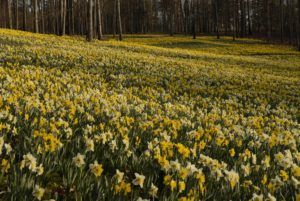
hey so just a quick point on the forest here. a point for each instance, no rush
(273, 20)
(149, 100)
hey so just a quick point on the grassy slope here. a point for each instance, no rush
(207, 83)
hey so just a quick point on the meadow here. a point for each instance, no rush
(149, 118)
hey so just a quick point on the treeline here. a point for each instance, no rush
(275, 20)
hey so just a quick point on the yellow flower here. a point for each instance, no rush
(284, 175)
(139, 180)
(167, 179)
(202, 145)
(119, 176)
(264, 179)
(96, 169)
(183, 174)
(185, 152)
(173, 184)
(232, 177)
(232, 152)
(5, 165)
(181, 186)
(38, 192)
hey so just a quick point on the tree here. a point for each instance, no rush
(90, 21)
(186, 16)
(119, 20)
(299, 25)
(99, 14)
(17, 13)
(36, 17)
(9, 14)
(217, 18)
(63, 15)
(268, 20)
(24, 15)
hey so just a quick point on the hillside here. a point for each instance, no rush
(197, 119)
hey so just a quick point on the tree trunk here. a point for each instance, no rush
(114, 18)
(43, 16)
(281, 21)
(24, 15)
(63, 16)
(268, 21)
(17, 14)
(217, 18)
(9, 14)
(100, 36)
(194, 19)
(119, 20)
(249, 18)
(299, 25)
(243, 18)
(90, 21)
(36, 19)
(234, 20)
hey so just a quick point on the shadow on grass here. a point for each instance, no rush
(189, 45)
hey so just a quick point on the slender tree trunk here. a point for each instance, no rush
(90, 21)
(217, 18)
(100, 36)
(299, 25)
(281, 21)
(24, 15)
(43, 15)
(119, 20)
(249, 18)
(243, 17)
(234, 20)
(17, 14)
(114, 18)
(36, 19)
(268, 21)
(193, 6)
(9, 14)
(64, 16)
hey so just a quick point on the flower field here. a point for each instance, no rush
(150, 118)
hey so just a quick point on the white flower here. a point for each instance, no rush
(79, 160)
(141, 199)
(29, 161)
(39, 170)
(89, 144)
(38, 192)
(271, 197)
(257, 197)
(175, 165)
(153, 190)
(119, 176)
(139, 180)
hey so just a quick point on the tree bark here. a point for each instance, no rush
(268, 20)
(100, 35)
(90, 21)
(9, 14)
(217, 18)
(24, 15)
(234, 20)
(299, 25)
(17, 14)
(119, 20)
(36, 19)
